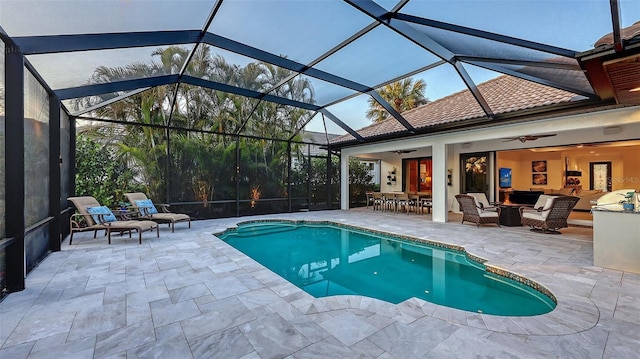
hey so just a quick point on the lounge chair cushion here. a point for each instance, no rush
(148, 205)
(96, 211)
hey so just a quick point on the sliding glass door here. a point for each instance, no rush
(417, 175)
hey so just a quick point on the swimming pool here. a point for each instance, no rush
(325, 259)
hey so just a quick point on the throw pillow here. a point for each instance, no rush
(96, 211)
(542, 200)
(547, 205)
(478, 203)
(148, 206)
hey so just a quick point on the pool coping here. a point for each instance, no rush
(571, 315)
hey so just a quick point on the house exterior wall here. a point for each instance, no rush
(583, 128)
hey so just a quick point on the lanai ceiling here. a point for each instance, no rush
(347, 49)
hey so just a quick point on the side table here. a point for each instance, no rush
(510, 215)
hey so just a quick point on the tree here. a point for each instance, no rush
(359, 181)
(199, 162)
(99, 172)
(403, 95)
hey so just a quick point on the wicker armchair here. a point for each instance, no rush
(472, 212)
(550, 216)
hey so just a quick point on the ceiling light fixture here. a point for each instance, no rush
(635, 89)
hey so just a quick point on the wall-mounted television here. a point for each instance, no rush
(505, 177)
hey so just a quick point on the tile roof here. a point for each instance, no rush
(627, 33)
(504, 94)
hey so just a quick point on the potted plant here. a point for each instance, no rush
(627, 202)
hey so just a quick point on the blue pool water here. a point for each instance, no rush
(326, 260)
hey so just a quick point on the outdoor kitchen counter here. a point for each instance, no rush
(616, 239)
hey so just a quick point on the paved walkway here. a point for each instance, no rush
(189, 295)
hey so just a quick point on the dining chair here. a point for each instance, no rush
(378, 201)
(390, 202)
(425, 202)
(369, 198)
(404, 201)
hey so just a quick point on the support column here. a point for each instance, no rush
(72, 157)
(344, 181)
(289, 188)
(440, 210)
(237, 176)
(14, 166)
(167, 164)
(54, 173)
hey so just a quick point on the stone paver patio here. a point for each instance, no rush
(189, 295)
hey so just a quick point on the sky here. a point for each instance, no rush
(303, 30)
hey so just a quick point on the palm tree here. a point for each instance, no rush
(202, 165)
(403, 95)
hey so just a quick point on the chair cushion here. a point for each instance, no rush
(478, 203)
(488, 214)
(547, 205)
(95, 211)
(480, 199)
(534, 215)
(148, 204)
(172, 217)
(542, 202)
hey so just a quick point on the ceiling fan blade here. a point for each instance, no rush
(526, 138)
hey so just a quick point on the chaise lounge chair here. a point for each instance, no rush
(147, 209)
(473, 212)
(549, 214)
(100, 217)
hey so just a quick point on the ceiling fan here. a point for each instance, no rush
(403, 151)
(527, 137)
